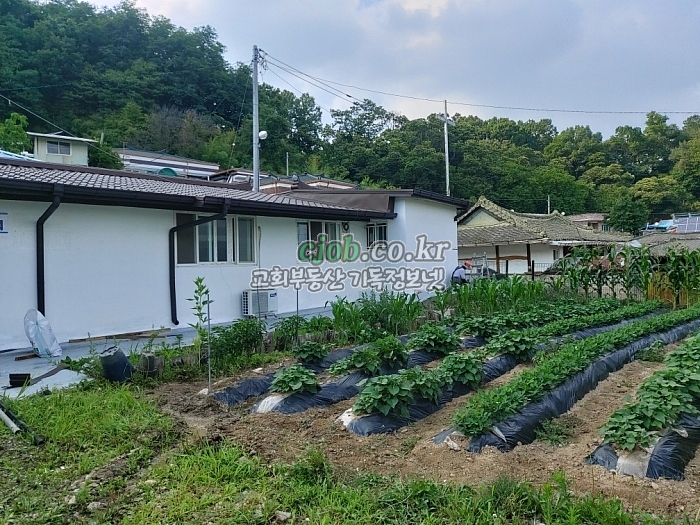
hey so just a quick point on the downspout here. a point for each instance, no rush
(171, 247)
(40, 274)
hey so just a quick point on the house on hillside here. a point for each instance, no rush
(515, 243)
(106, 252)
(61, 148)
(594, 221)
(159, 163)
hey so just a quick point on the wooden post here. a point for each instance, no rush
(498, 260)
(529, 257)
(507, 267)
(532, 271)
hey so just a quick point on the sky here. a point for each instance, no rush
(585, 55)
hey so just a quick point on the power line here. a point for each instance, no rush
(54, 125)
(469, 104)
(298, 91)
(312, 77)
(43, 86)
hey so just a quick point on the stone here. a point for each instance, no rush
(282, 516)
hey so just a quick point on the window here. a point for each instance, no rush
(213, 243)
(55, 147)
(555, 255)
(375, 233)
(311, 229)
(220, 241)
(246, 239)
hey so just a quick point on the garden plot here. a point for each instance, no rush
(366, 362)
(411, 453)
(511, 414)
(658, 434)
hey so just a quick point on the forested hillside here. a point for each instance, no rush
(141, 81)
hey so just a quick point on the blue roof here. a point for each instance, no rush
(9, 155)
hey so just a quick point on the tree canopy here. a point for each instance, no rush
(140, 81)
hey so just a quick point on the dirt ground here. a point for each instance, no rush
(411, 453)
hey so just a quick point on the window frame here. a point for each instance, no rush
(232, 240)
(375, 227)
(58, 144)
(324, 229)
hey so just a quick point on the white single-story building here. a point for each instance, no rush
(515, 243)
(105, 252)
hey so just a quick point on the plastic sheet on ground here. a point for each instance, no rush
(493, 368)
(422, 408)
(255, 386)
(675, 449)
(520, 428)
(258, 386)
(669, 457)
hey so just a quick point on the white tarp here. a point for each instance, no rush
(40, 335)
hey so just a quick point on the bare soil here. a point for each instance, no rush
(410, 452)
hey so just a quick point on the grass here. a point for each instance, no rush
(143, 470)
(85, 429)
(558, 431)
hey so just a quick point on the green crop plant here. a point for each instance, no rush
(436, 338)
(486, 408)
(294, 379)
(465, 369)
(425, 383)
(365, 360)
(287, 331)
(349, 325)
(392, 353)
(385, 394)
(310, 352)
(660, 400)
(385, 352)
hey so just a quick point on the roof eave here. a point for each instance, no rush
(43, 191)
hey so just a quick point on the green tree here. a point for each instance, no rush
(687, 165)
(661, 195)
(628, 215)
(13, 134)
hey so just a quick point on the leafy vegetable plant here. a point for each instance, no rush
(385, 394)
(433, 337)
(294, 379)
(488, 407)
(310, 352)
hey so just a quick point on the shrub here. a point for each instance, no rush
(242, 337)
(310, 352)
(286, 331)
(294, 379)
(433, 337)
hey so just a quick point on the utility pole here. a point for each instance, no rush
(256, 123)
(447, 122)
(287, 164)
(549, 205)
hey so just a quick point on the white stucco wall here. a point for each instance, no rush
(105, 270)
(539, 253)
(106, 267)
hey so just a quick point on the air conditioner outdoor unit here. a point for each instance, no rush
(259, 302)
